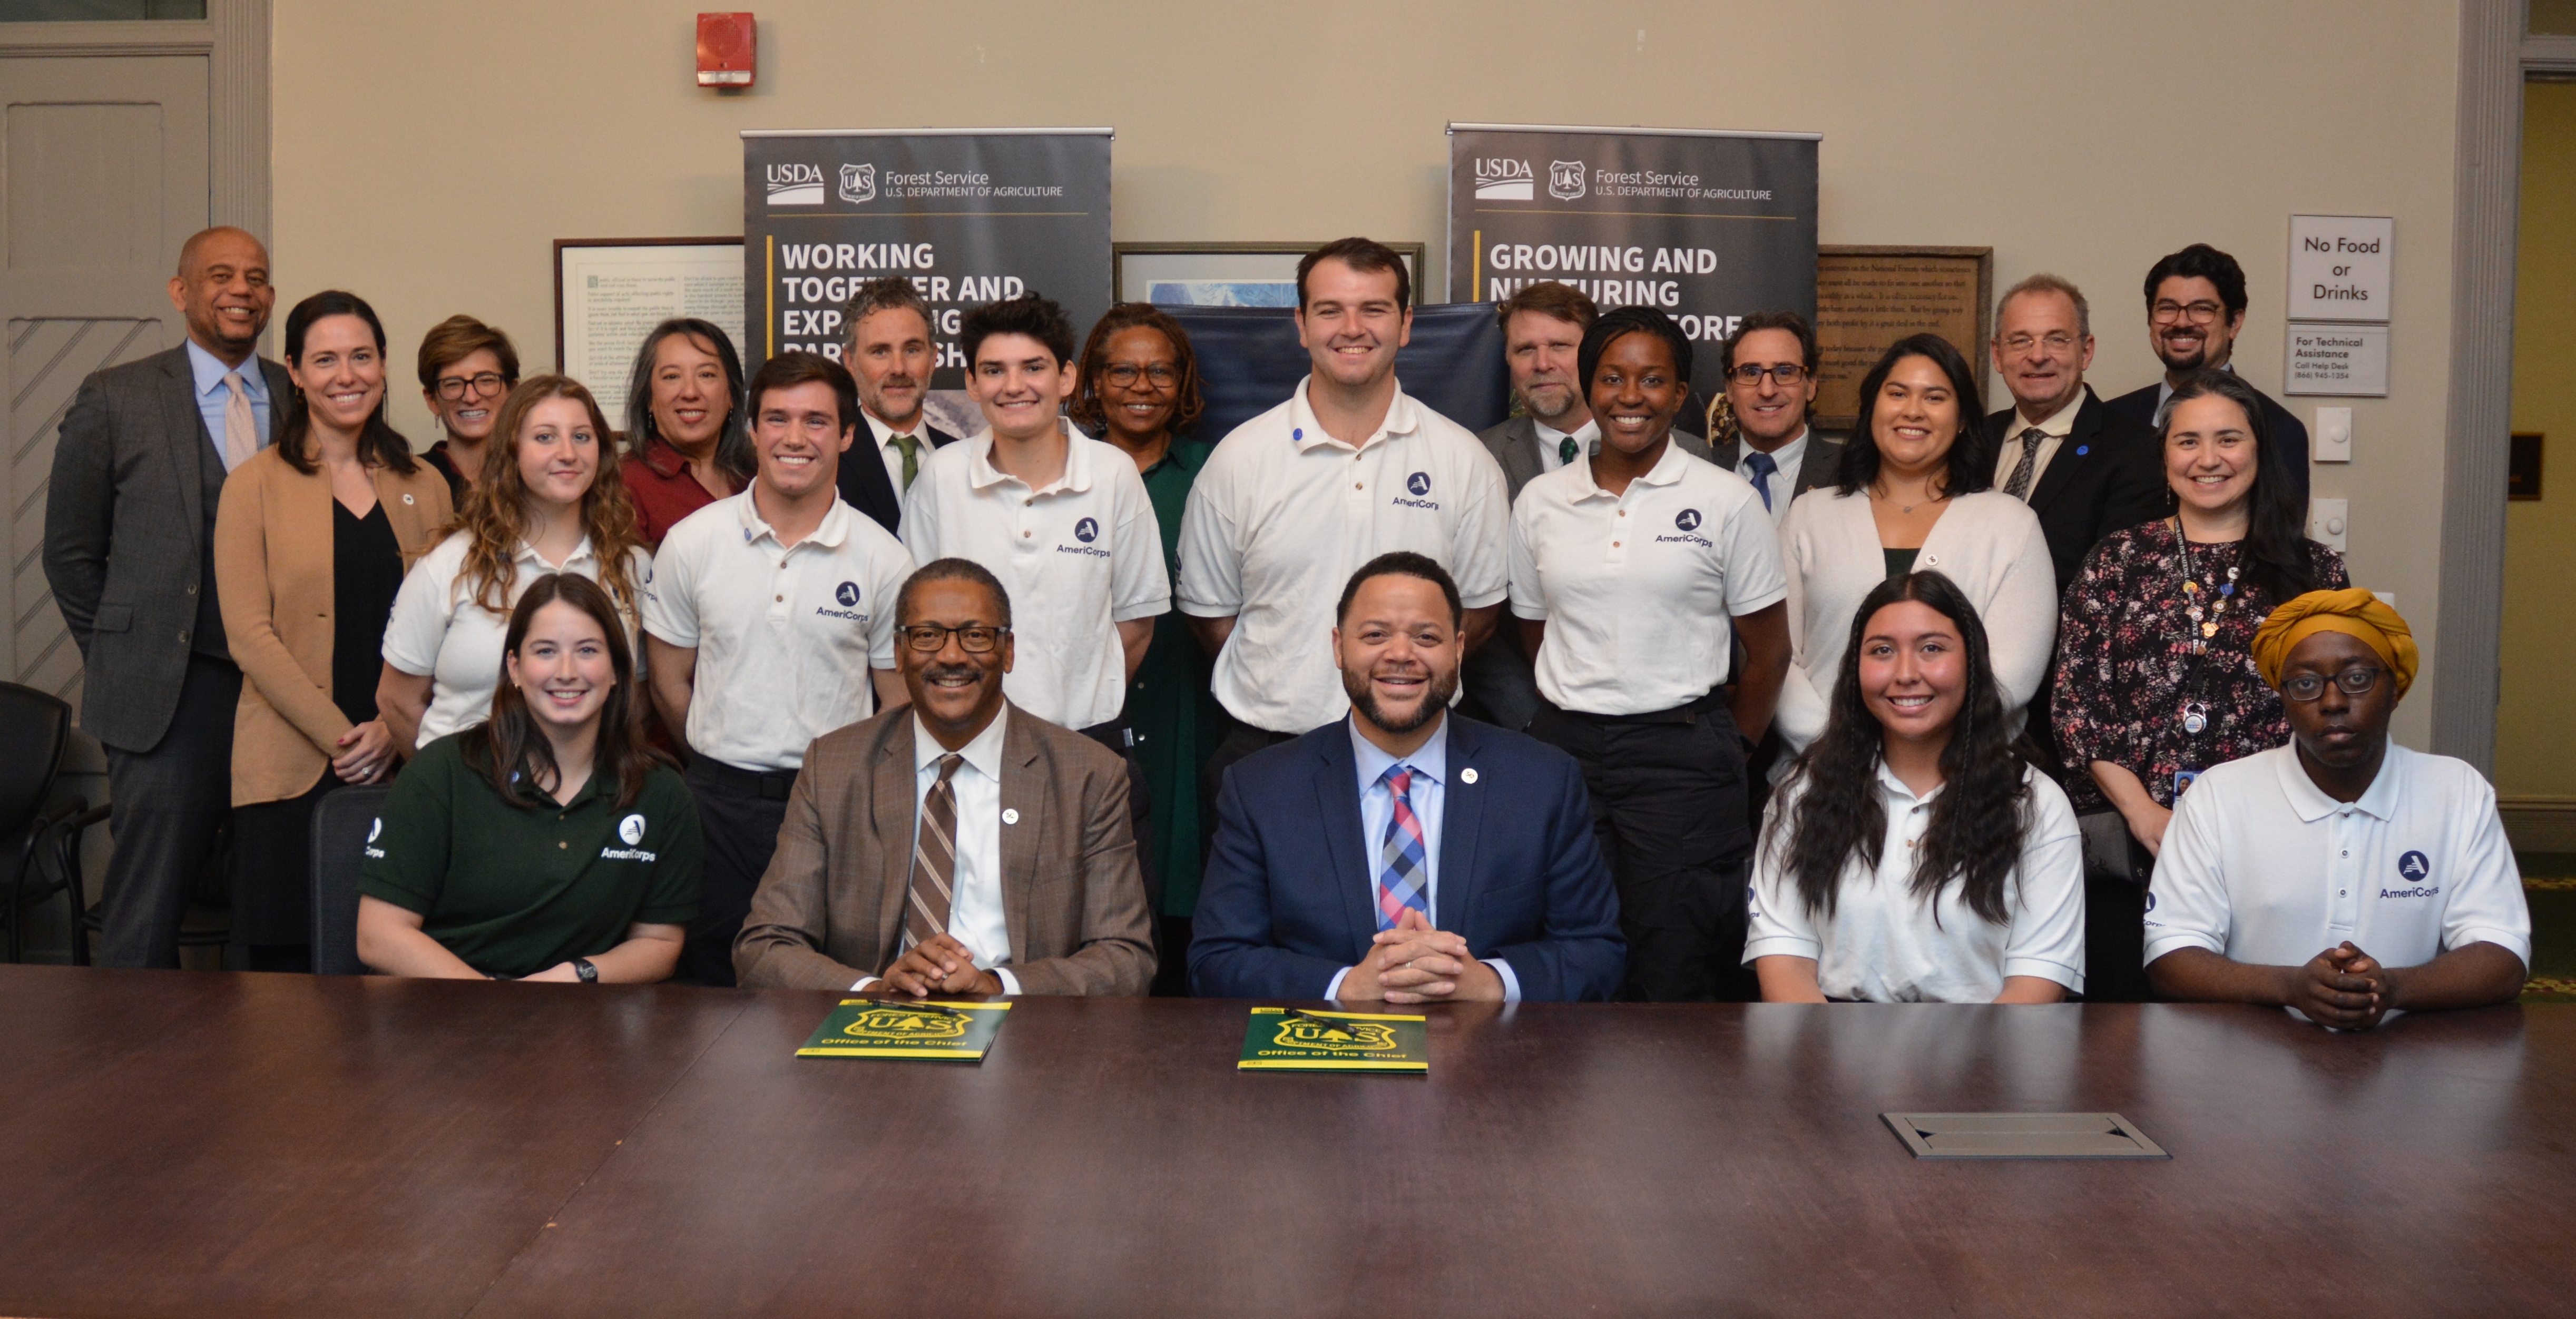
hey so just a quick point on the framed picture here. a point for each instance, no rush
(611, 292)
(1870, 297)
(1223, 274)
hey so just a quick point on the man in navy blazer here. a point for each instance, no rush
(1404, 853)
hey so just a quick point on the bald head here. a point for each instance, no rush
(222, 289)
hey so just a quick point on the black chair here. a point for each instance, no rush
(343, 824)
(208, 888)
(38, 727)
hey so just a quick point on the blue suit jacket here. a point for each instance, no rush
(1287, 898)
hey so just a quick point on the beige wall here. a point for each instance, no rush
(2534, 726)
(427, 155)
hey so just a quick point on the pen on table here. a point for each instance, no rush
(1327, 1023)
(932, 1008)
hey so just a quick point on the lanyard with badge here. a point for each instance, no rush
(2204, 615)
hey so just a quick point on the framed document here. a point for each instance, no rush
(1870, 297)
(1224, 274)
(611, 292)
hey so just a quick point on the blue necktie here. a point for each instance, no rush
(1763, 470)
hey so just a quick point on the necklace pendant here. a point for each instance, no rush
(2191, 588)
(2228, 589)
(2194, 722)
(2209, 629)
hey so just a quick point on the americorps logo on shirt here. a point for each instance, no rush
(848, 594)
(1086, 531)
(2413, 868)
(372, 831)
(1420, 484)
(1688, 521)
(631, 829)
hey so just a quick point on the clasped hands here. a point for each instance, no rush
(937, 965)
(2342, 987)
(1414, 963)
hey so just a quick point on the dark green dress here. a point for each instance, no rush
(1177, 720)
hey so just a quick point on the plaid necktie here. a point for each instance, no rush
(934, 858)
(2019, 484)
(1401, 878)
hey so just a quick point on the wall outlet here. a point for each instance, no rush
(2328, 519)
(2332, 436)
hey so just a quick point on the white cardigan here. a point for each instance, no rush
(1988, 543)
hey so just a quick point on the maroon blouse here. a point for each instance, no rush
(664, 490)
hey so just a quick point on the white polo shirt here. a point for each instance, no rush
(1283, 514)
(1638, 589)
(1881, 944)
(785, 635)
(1079, 556)
(438, 633)
(2261, 866)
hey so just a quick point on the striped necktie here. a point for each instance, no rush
(1401, 878)
(934, 858)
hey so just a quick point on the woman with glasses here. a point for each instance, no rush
(465, 369)
(688, 446)
(1914, 492)
(1139, 390)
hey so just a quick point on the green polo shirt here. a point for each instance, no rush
(516, 886)
(1177, 720)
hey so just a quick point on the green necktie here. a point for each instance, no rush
(911, 447)
(1566, 449)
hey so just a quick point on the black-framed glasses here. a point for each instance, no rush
(2168, 311)
(1786, 373)
(452, 388)
(1125, 375)
(2355, 681)
(974, 638)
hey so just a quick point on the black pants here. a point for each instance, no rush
(1240, 741)
(2115, 939)
(272, 882)
(1667, 795)
(1118, 737)
(167, 808)
(740, 811)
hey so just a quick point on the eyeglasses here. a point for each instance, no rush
(2058, 344)
(1786, 373)
(2355, 681)
(1124, 375)
(974, 638)
(2168, 311)
(453, 388)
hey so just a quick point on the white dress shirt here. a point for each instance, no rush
(1639, 590)
(2053, 433)
(438, 633)
(1883, 944)
(1283, 514)
(2261, 866)
(892, 457)
(1079, 556)
(1782, 482)
(975, 916)
(785, 634)
(1551, 442)
(1429, 791)
(213, 397)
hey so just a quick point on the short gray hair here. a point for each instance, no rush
(886, 294)
(2044, 282)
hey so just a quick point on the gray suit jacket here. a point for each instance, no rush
(1817, 468)
(1514, 444)
(125, 535)
(830, 908)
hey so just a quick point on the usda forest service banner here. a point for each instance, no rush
(968, 217)
(1710, 227)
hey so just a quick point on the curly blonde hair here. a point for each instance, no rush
(495, 517)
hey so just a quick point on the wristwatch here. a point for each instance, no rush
(581, 966)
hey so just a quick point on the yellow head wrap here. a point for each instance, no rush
(2354, 612)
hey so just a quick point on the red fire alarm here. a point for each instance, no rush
(727, 50)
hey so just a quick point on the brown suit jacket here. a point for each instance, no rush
(830, 909)
(273, 577)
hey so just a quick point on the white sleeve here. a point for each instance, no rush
(2021, 618)
(1529, 593)
(2486, 900)
(1755, 580)
(1800, 714)
(2187, 902)
(2047, 936)
(921, 516)
(893, 567)
(1138, 586)
(671, 597)
(423, 608)
(1211, 559)
(1777, 922)
(1477, 556)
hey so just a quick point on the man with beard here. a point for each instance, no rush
(2195, 307)
(887, 346)
(1403, 853)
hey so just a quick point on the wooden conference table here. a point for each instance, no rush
(204, 1144)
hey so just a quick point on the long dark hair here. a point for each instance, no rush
(2276, 535)
(1972, 454)
(733, 443)
(510, 750)
(379, 444)
(1974, 835)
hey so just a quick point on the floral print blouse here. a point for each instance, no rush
(2128, 683)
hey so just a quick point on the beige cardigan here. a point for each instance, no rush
(273, 576)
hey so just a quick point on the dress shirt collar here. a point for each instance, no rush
(1307, 433)
(984, 752)
(1076, 477)
(2059, 424)
(1552, 439)
(1784, 459)
(1666, 471)
(2310, 802)
(209, 372)
(2164, 391)
(884, 433)
(834, 528)
(1431, 759)
(660, 458)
